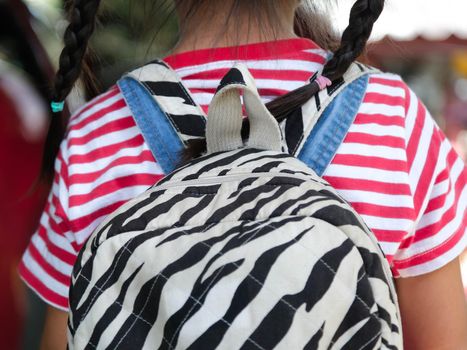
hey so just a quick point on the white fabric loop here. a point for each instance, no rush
(224, 122)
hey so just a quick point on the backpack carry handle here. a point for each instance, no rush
(224, 122)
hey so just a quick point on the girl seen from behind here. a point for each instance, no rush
(395, 166)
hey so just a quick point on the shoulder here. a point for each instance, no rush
(386, 94)
(106, 161)
(99, 109)
(100, 127)
(385, 104)
(389, 95)
(387, 85)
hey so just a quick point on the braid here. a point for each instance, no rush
(73, 60)
(82, 23)
(363, 15)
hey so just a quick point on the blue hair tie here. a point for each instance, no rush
(57, 106)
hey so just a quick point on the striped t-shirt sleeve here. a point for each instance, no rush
(48, 261)
(437, 179)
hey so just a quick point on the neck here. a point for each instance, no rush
(217, 24)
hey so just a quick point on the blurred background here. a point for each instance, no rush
(422, 41)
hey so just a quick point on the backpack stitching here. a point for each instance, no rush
(125, 248)
(142, 309)
(207, 287)
(105, 282)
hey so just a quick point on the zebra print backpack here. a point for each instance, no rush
(243, 248)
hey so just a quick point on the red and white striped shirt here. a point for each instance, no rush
(395, 166)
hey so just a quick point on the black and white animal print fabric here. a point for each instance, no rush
(171, 95)
(246, 249)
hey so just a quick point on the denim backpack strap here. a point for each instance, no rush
(164, 111)
(159, 134)
(331, 128)
(320, 126)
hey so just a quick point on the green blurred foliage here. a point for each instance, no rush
(131, 33)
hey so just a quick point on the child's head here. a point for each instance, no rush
(309, 22)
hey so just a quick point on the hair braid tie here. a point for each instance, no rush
(323, 82)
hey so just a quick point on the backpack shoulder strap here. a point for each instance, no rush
(321, 125)
(164, 111)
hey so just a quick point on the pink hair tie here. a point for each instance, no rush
(323, 82)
